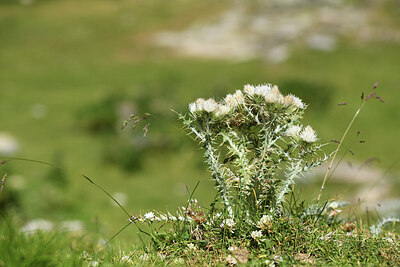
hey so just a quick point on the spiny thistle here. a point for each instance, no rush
(254, 144)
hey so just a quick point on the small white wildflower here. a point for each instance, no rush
(249, 89)
(256, 235)
(308, 135)
(149, 216)
(210, 105)
(231, 260)
(264, 222)
(293, 131)
(222, 110)
(192, 247)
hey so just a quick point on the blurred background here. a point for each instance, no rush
(72, 71)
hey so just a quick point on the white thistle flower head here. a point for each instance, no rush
(256, 235)
(298, 103)
(199, 103)
(239, 97)
(308, 135)
(210, 105)
(249, 89)
(276, 94)
(193, 107)
(293, 131)
(263, 89)
(288, 101)
(230, 101)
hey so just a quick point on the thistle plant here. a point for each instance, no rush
(255, 145)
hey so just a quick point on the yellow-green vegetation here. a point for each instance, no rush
(72, 71)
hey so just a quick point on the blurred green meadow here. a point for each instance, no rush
(72, 71)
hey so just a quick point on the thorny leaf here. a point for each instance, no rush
(342, 104)
(362, 95)
(4, 162)
(351, 152)
(335, 141)
(375, 85)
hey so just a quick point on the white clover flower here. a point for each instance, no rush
(239, 97)
(293, 131)
(308, 135)
(265, 222)
(256, 235)
(150, 216)
(249, 89)
(231, 260)
(222, 110)
(210, 105)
